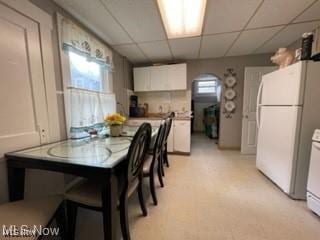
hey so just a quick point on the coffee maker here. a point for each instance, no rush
(135, 110)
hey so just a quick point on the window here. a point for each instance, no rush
(209, 87)
(85, 74)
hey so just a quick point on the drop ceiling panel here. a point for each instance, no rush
(278, 12)
(95, 17)
(132, 52)
(227, 16)
(140, 18)
(156, 51)
(287, 36)
(216, 45)
(312, 13)
(185, 48)
(250, 40)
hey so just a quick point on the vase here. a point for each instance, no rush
(115, 130)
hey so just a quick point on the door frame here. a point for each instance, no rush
(267, 68)
(45, 23)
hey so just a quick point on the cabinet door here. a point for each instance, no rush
(177, 76)
(159, 78)
(141, 78)
(181, 136)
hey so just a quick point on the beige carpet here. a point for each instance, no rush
(217, 195)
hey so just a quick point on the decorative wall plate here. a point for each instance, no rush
(230, 94)
(230, 81)
(230, 106)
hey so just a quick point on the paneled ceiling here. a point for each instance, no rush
(231, 27)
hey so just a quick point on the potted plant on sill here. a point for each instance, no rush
(115, 122)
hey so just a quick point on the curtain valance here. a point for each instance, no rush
(76, 39)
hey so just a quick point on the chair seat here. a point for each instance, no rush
(147, 164)
(29, 213)
(89, 193)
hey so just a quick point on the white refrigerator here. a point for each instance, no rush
(287, 114)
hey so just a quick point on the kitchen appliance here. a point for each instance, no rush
(306, 46)
(316, 45)
(133, 101)
(135, 110)
(287, 114)
(313, 187)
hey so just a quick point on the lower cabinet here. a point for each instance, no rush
(181, 136)
(179, 139)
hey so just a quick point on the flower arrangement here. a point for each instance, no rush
(114, 119)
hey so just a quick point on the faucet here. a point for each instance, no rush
(160, 109)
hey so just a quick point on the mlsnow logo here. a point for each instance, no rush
(28, 231)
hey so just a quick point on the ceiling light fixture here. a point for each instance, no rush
(182, 18)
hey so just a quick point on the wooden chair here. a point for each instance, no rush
(88, 195)
(152, 164)
(168, 121)
(33, 214)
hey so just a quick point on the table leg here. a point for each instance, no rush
(111, 221)
(16, 178)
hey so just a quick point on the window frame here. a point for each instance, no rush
(105, 84)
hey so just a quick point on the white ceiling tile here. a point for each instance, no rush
(156, 51)
(287, 36)
(252, 39)
(312, 13)
(278, 12)
(185, 48)
(140, 18)
(216, 45)
(95, 17)
(132, 52)
(227, 16)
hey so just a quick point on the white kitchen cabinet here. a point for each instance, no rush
(160, 78)
(142, 78)
(177, 76)
(181, 136)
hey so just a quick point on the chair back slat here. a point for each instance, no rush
(137, 151)
(159, 140)
(168, 122)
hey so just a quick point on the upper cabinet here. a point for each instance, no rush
(142, 79)
(160, 78)
(177, 76)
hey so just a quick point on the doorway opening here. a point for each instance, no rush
(205, 105)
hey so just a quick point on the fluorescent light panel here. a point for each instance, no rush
(182, 18)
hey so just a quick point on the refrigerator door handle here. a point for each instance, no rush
(258, 105)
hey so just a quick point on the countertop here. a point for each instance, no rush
(159, 118)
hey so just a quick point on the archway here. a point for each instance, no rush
(206, 99)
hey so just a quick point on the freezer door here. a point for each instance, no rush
(314, 170)
(277, 141)
(284, 86)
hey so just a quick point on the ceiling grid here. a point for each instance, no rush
(137, 31)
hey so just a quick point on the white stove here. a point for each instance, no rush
(313, 188)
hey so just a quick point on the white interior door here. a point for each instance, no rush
(252, 79)
(23, 115)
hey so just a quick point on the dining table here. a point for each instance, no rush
(100, 158)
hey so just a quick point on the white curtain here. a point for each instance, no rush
(76, 39)
(91, 107)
